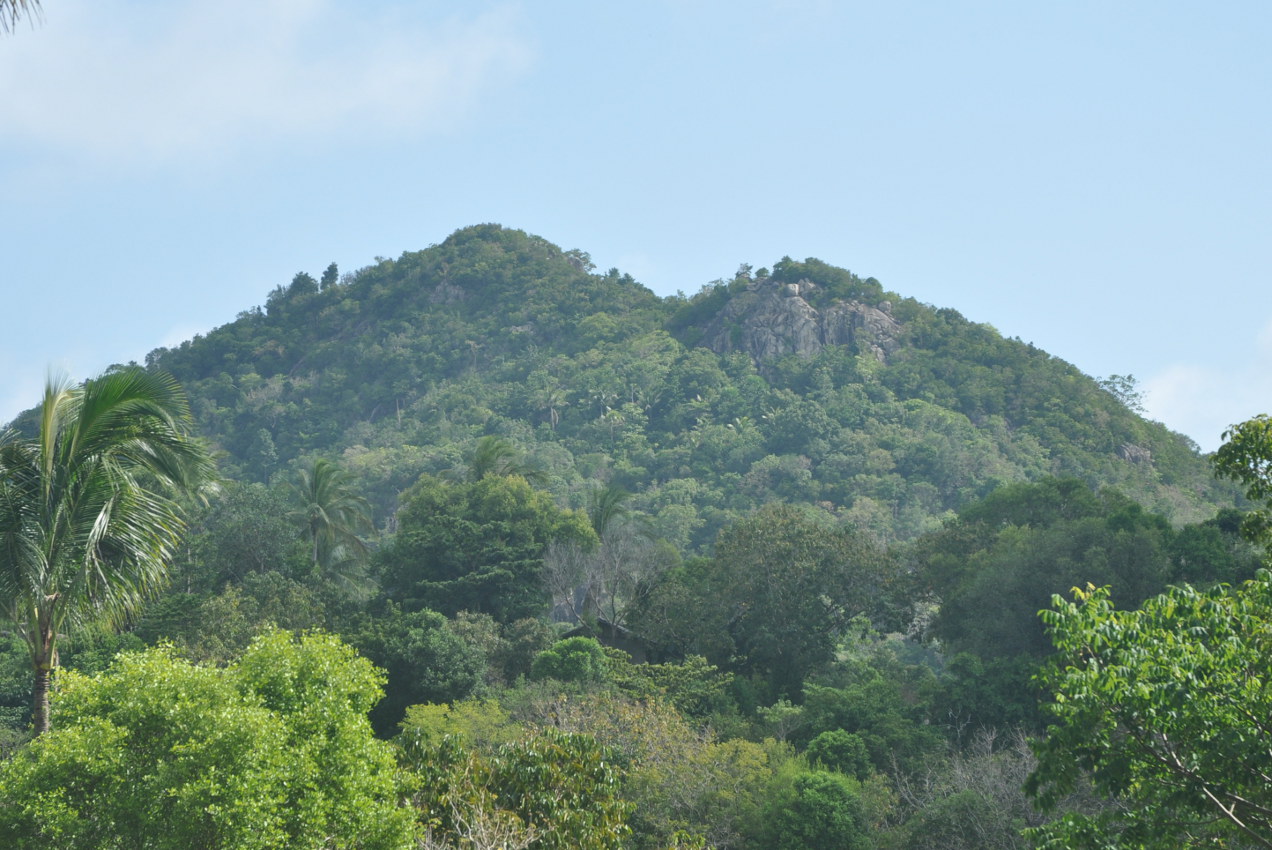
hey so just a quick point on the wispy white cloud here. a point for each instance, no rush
(1203, 401)
(119, 81)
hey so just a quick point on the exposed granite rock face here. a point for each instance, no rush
(447, 293)
(1134, 453)
(772, 320)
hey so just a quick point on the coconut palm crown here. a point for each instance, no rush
(88, 512)
(330, 516)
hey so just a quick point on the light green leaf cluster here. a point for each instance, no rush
(1246, 457)
(1166, 708)
(550, 790)
(156, 752)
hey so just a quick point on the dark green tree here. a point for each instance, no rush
(773, 600)
(476, 546)
(244, 530)
(330, 276)
(840, 751)
(425, 660)
(999, 562)
(823, 810)
(302, 284)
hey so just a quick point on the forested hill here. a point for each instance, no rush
(803, 383)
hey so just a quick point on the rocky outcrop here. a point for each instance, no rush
(772, 320)
(446, 293)
(1134, 454)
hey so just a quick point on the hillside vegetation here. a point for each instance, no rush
(805, 383)
(511, 554)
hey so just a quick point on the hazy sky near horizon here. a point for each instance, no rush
(1092, 177)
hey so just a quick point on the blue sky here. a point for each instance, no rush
(1092, 177)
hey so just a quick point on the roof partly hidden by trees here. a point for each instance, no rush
(804, 383)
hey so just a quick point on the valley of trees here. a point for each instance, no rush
(506, 553)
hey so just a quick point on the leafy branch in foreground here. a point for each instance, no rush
(1168, 710)
(1246, 457)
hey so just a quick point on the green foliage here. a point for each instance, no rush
(840, 751)
(480, 724)
(88, 513)
(1008, 554)
(156, 752)
(477, 546)
(1246, 457)
(549, 790)
(772, 602)
(15, 688)
(1165, 709)
(679, 779)
(575, 659)
(496, 456)
(222, 626)
(881, 714)
(1215, 551)
(824, 809)
(302, 284)
(399, 368)
(509, 648)
(331, 516)
(697, 688)
(424, 659)
(244, 530)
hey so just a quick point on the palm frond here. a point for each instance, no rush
(12, 11)
(88, 511)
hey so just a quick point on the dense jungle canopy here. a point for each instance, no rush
(508, 552)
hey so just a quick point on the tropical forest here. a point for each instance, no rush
(485, 548)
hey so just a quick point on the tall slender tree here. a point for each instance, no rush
(493, 455)
(331, 517)
(89, 516)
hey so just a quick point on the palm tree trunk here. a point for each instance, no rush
(43, 659)
(40, 711)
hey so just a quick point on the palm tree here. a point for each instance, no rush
(493, 455)
(605, 506)
(331, 516)
(88, 517)
(11, 11)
